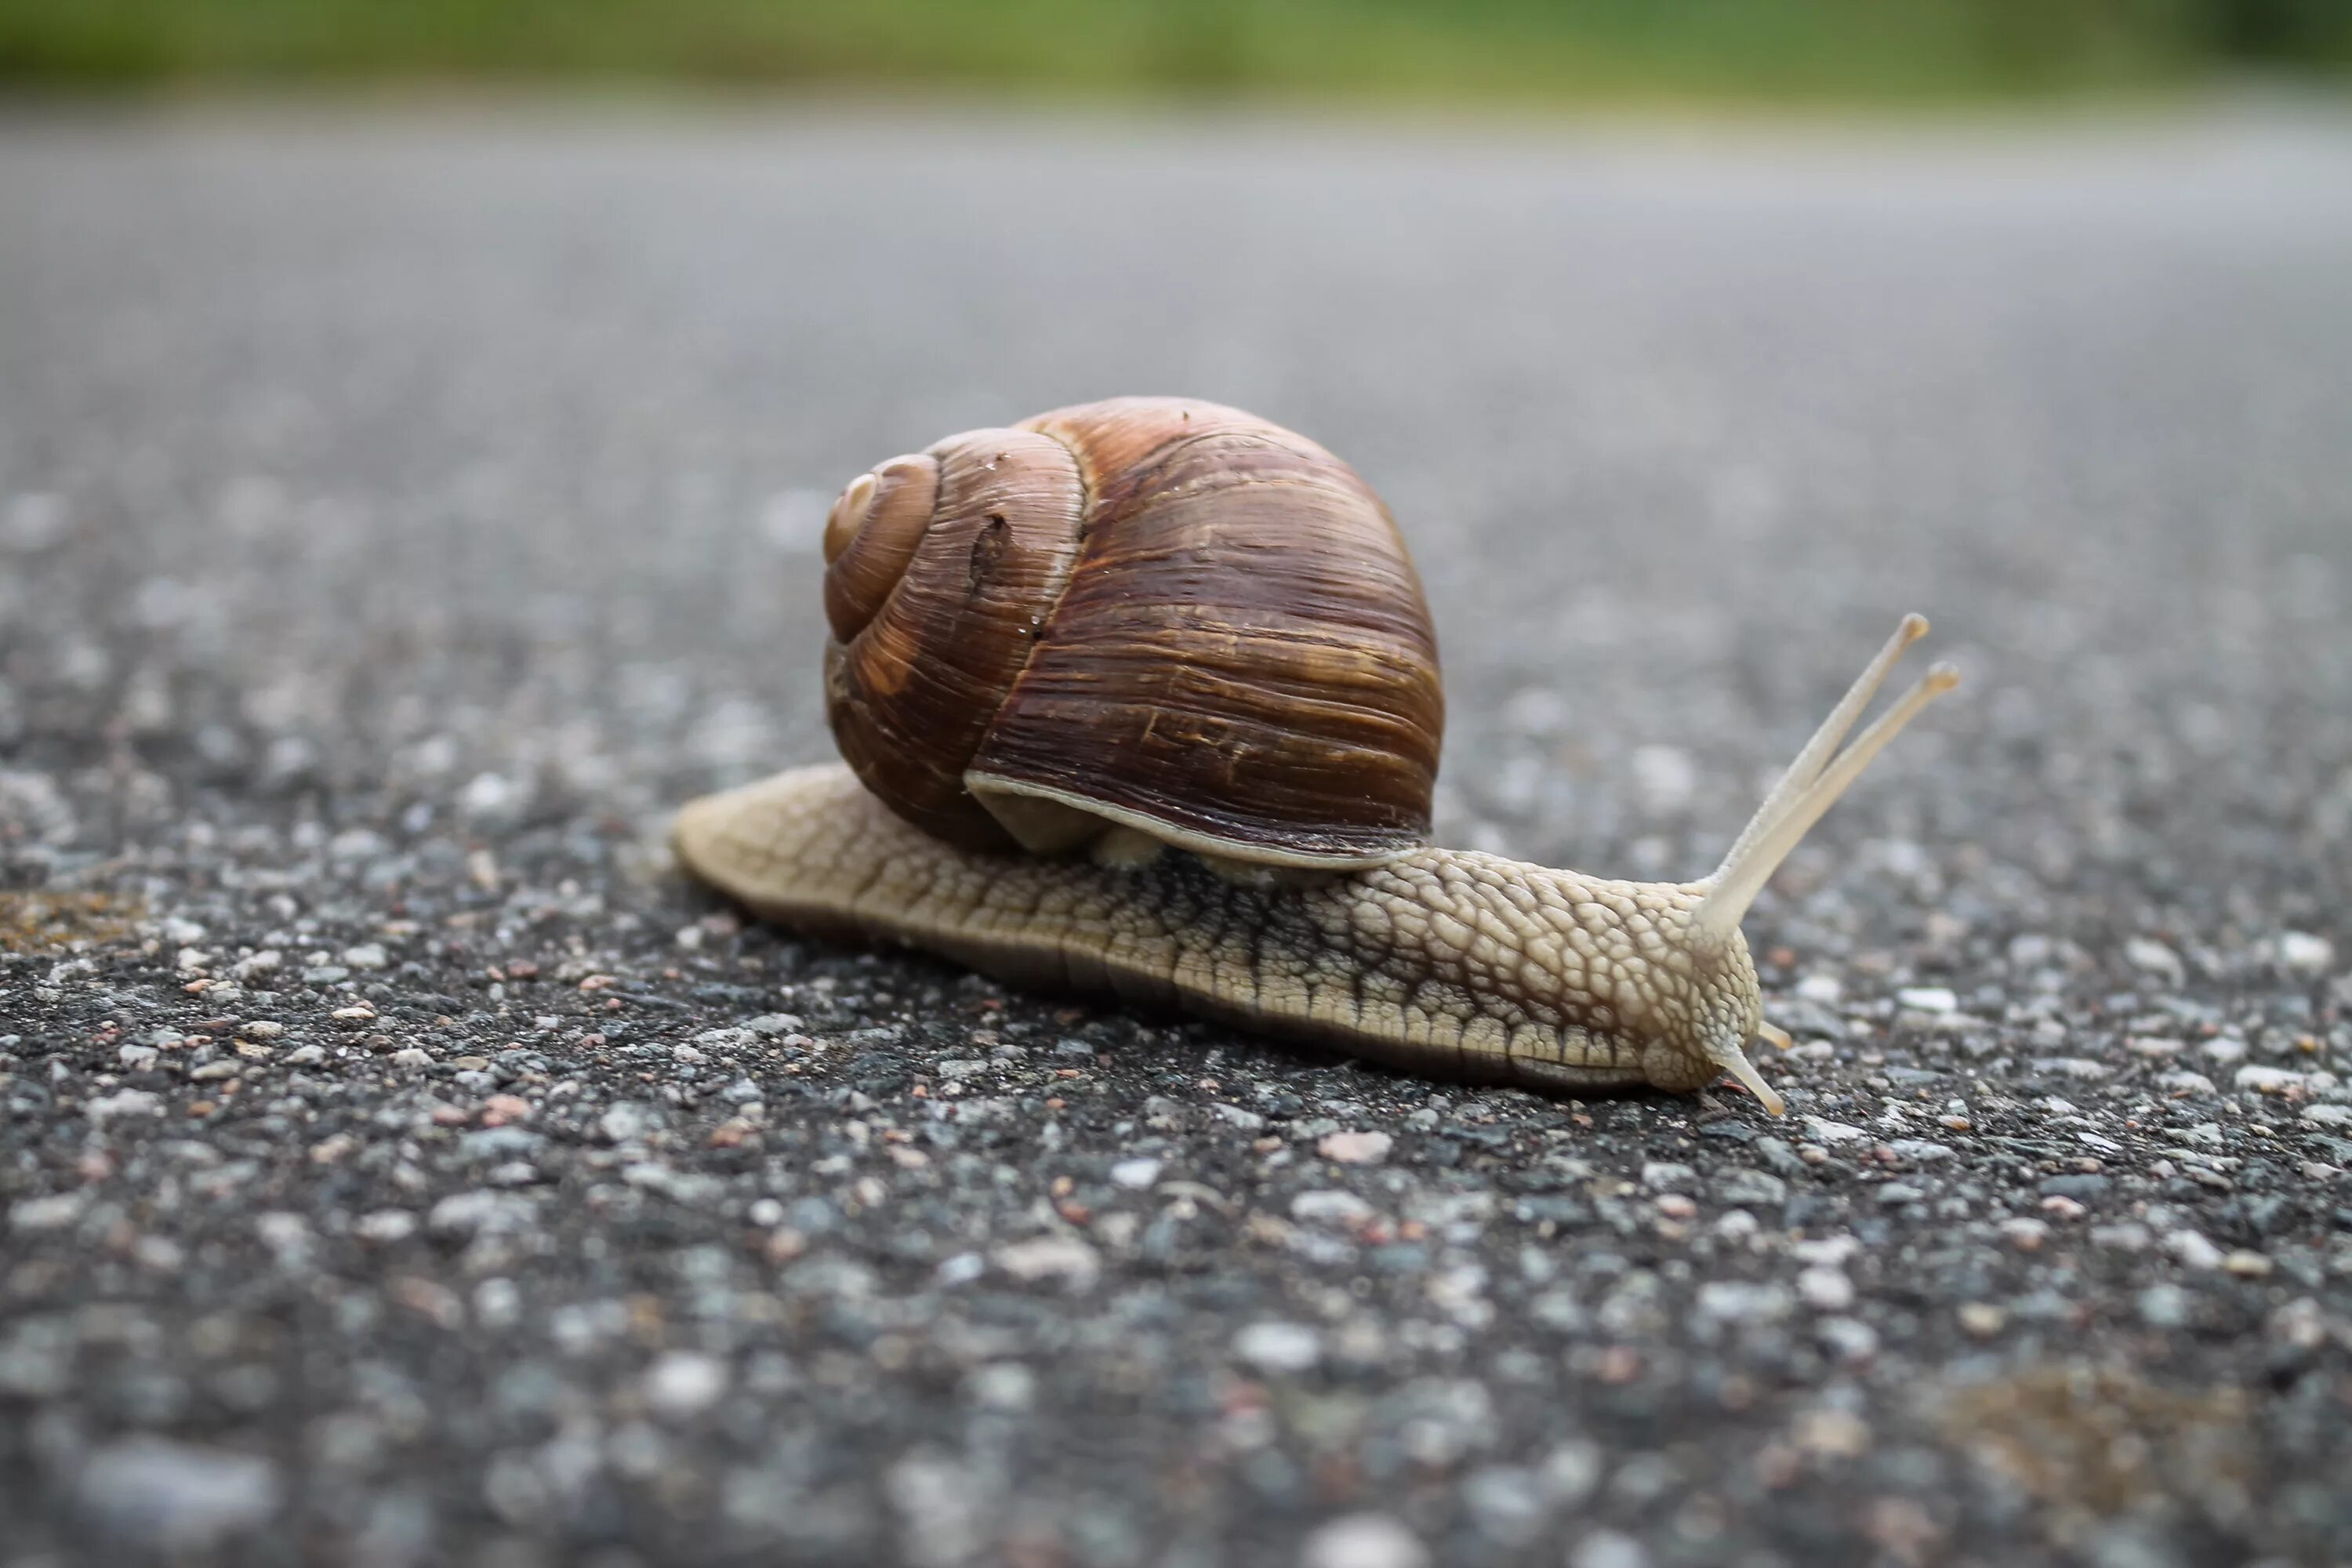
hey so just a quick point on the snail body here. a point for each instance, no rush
(1141, 697)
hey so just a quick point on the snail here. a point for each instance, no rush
(1141, 697)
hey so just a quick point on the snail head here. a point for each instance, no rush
(1725, 1012)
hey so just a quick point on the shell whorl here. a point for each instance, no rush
(1150, 612)
(871, 537)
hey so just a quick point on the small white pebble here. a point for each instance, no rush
(280, 1231)
(2193, 1250)
(1279, 1347)
(1739, 1302)
(125, 1102)
(1331, 1207)
(1826, 1252)
(1364, 1541)
(1981, 1320)
(1826, 1289)
(1929, 999)
(1050, 1257)
(1355, 1148)
(47, 1214)
(485, 794)
(2301, 1323)
(497, 1304)
(1136, 1176)
(2025, 1234)
(1001, 1385)
(2267, 1081)
(1572, 1470)
(1665, 1176)
(2305, 953)
(2153, 957)
(157, 1253)
(684, 1382)
(2163, 1306)
(1849, 1338)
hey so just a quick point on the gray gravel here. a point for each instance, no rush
(400, 1165)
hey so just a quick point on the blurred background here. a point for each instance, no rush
(407, 502)
(1525, 51)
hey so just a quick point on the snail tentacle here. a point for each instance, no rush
(1822, 749)
(1814, 782)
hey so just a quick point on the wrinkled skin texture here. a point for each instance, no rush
(1447, 962)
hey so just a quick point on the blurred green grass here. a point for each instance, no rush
(1520, 52)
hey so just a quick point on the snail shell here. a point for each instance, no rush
(1153, 614)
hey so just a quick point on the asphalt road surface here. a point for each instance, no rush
(401, 1165)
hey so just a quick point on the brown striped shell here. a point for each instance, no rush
(1150, 612)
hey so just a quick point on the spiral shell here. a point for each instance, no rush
(1152, 612)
